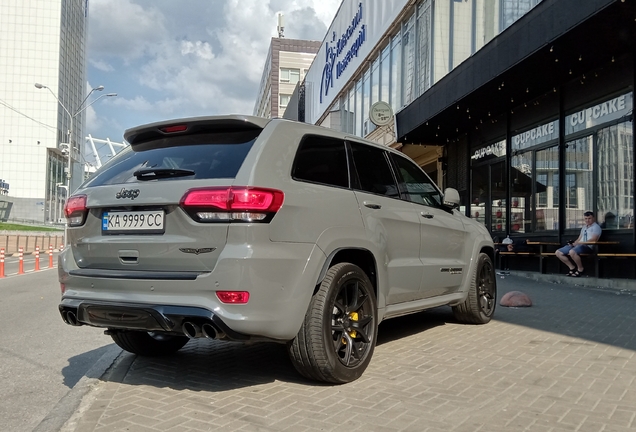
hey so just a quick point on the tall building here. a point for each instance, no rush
(286, 65)
(43, 42)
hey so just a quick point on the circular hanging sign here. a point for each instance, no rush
(381, 113)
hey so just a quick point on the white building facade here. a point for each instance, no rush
(44, 42)
(286, 65)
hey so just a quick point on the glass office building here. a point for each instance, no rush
(41, 41)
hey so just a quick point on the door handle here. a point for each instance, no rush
(427, 215)
(372, 205)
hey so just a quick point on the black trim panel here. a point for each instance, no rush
(137, 274)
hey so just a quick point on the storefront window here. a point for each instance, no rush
(358, 110)
(498, 196)
(512, 10)
(479, 195)
(385, 74)
(615, 179)
(408, 47)
(375, 82)
(396, 73)
(424, 42)
(547, 186)
(579, 161)
(351, 117)
(366, 98)
(521, 192)
(488, 188)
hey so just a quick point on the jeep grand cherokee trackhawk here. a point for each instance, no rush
(244, 228)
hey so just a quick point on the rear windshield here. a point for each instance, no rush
(205, 156)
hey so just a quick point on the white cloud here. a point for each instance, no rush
(124, 29)
(171, 59)
(101, 65)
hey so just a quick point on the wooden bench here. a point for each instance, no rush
(542, 254)
(513, 253)
(597, 256)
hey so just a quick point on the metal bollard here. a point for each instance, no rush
(50, 256)
(37, 258)
(1, 262)
(21, 261)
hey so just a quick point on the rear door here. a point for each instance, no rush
(136, 219)
(390, 222)
(443, 234)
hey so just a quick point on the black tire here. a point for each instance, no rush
(148, 344)
(337, 338)
(479, 306)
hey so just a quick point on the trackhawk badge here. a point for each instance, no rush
(131, 193)
(452, 270)
(197, 251)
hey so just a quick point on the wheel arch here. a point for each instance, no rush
(488, 251)
(363, 258)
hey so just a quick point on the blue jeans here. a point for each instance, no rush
(579, 249)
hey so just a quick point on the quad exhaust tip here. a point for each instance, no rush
(191, 330)
(71, 319)
(208, 330)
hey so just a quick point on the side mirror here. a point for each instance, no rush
(451, 198)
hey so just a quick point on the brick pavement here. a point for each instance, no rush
(566, 364)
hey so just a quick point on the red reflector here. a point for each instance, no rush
(175, 128)
(237, 297)
(235, 199)
(74, 204)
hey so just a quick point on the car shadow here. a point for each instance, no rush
(80, 365)
(408, 325)
(217, 366)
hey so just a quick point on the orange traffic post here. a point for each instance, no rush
(37, 258)
(50, 256)
(1, 262)
(21, 261)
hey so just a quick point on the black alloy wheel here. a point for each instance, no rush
(337, 337)
(481, 299)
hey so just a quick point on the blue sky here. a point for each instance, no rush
(179, 58)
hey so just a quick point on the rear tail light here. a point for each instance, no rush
(75, 210)
(241, 204)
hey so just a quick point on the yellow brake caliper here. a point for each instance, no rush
(353, 316)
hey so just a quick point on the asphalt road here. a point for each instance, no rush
(41, 358)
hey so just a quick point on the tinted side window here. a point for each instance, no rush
(418, 187)
(321, 160)
(374, 171)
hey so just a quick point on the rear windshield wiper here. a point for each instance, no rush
(156, 173)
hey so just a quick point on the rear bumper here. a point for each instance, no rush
(280, 279)
(145, 317)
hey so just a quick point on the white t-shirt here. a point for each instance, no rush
(592, 231)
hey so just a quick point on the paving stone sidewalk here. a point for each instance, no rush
(566, 364)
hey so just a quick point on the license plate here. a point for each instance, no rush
(148, 221)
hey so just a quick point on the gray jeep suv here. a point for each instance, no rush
(244, 228)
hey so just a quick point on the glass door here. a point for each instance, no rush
(488, 196)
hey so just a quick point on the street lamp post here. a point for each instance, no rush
(71, 118)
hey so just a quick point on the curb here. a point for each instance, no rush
(67, 406)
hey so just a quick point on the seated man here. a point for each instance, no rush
(570, 254)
